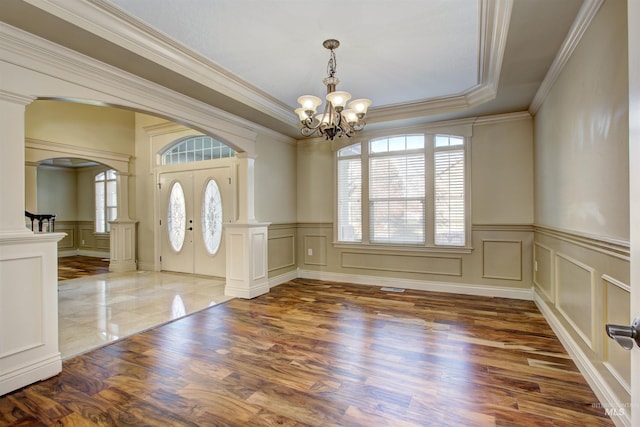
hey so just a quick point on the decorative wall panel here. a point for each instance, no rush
(575, 295)
(315, 249)
(543, 270)
(259, 242)
(281, 252)
(22, 304)
(426, 264)
(68, 241)
(617, 312)
(502, 259)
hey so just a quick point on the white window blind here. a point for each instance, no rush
(449, 191)
(106, 200)
(396, 198)
(413, 188)
(349, 197)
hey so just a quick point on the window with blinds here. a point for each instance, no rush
(413, 188)
(106, 200)
(449, 191)
(396, 190)
(350, 194)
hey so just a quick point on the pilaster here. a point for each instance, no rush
(246, 240)
(246, 260)
(123, 234)
(12, 170)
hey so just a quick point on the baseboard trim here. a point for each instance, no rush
(597, 383)
(39, 370)
(447, 287)
(283, 278)
(83, 252)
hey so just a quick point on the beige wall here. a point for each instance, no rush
(69, 194)
(502, 171)
(57, 192)
(143, 182)
(85, 192)
(275, 180)
(581, 245)
(315, 181)
(102, 128)
(502, 213)
(582, 175)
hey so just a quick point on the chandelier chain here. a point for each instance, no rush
(332, 64)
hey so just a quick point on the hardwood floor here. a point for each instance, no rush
(324, 354)
(72, 267)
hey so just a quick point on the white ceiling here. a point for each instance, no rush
(408, 50)
(418, 60)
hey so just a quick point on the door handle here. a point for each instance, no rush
(625, 335)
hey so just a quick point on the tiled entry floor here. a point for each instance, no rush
(99, 309)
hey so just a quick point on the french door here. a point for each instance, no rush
(194, 206)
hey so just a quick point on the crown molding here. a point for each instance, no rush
(108, 21)
(38, 149)
(120, 88)
(495, 16)
(113, 24)
(502, 118)
(583, 20)
(15, 98)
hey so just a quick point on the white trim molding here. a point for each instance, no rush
(606, 245)
(495, 16)
(585, 16)
(603, 392)
(422, 285)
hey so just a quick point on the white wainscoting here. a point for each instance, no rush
(580, 284)
(28, 310)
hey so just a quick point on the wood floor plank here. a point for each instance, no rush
(315, 353)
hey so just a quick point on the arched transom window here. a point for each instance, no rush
(196, 149)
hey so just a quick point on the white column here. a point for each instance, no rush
(246, 240)
(246, 213)
(12, 108)
(28, 267)
(123, 236)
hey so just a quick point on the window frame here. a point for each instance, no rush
(106, 207)
(464, 131)
(195, 153)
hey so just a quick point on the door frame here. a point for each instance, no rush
(230, 162)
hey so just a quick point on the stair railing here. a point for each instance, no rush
(50, 220)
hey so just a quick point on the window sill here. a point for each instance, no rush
(405, 248)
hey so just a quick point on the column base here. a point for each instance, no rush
(246, 260)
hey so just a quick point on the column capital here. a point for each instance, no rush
(245, 155)
(16, 98)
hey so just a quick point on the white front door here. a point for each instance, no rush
(194, 205)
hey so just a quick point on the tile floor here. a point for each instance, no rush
(96, 310)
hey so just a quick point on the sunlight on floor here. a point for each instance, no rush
(96, 310)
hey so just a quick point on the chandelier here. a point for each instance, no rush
(335, 121)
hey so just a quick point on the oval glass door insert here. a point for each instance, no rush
(212, 217)
(176, 217)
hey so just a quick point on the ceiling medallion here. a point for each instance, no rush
(335, 121)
